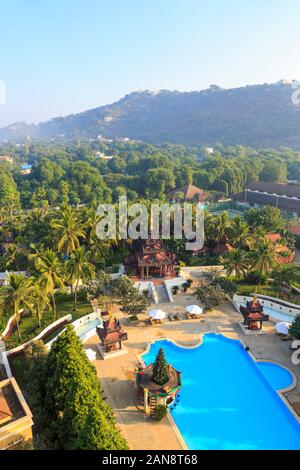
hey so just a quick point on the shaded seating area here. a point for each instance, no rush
(193, 312)
(253, 314)
(153, 394)
(111, 335)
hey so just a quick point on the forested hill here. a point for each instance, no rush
(258, 116)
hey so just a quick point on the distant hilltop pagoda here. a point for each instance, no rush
(157, 384)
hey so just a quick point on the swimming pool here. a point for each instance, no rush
(279, 316)
(227, 400)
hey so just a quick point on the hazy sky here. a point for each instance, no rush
(63, 56)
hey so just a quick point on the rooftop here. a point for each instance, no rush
(289, 190)
(190, 192)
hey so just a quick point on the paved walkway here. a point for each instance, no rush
(117, 374)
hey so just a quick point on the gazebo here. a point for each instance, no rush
(152, 393)
(152, 259)
(111, 335)
(253, 314)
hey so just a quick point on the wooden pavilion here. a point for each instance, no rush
(111, 335)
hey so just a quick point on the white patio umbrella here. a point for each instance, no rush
(91, 354)
(195, 309)
(157, 314)
(282, 327)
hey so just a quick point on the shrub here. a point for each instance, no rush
(160, 412)
(210, 295)
(160, 369)
(226, 285)
(185, 286)
(175, 289)
(295, 328)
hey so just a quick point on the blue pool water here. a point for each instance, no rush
(227, 400)
(279, 316)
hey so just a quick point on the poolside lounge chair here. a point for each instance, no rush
(153, 321)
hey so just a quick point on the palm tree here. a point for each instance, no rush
(285, 276)
(91, 219)
(68, 230)
(50, 273)
(239, 234)
(79, 267)
(40, 302)
(235, 262)
(16, 296)
(222, 224)
(263, 258)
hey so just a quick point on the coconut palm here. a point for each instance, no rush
(285, 276)
(222, 225)
(263, 258)
(16, 296)
(239, 234)
(50, 273)
(68, 230)
(235, 262)
(40, 302)
(79, 267)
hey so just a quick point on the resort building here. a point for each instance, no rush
(15, 415)
(6, 158)
(259, 194)
(103, 156)
(151, 259)
(187, 193)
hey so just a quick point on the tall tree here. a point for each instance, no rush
(50, 271)
(160, 368)
(235, 262)
(68, 230)
(80, 267)
(16, 296)
(263, 258)
(75, 414)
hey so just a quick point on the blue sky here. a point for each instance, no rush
(63, 56)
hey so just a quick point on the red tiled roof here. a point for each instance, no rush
(295, 229)
(189, 191)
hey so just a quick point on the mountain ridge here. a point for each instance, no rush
(253, 115)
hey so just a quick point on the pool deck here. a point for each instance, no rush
(117, 373)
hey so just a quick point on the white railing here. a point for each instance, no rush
(170, 283)
(153, 293)
(280, 306)
(77, 324)
(120, 273)
(42, 334)
(5, 363)
(10, 321)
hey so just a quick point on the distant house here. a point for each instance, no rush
(189, 192)
(6, 158)
(260, 193)
(104, 157)
(26, 168)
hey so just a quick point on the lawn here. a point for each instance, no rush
(244, 288)
(29, 329)
(29, 326)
